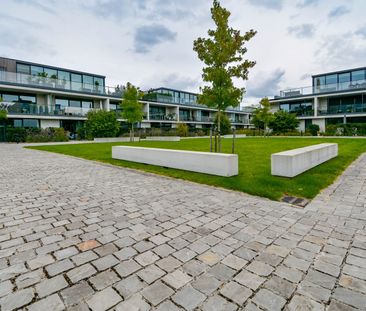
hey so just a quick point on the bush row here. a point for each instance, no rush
(35, 135)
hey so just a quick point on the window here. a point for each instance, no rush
(76, 82)
(358, 75)
(18, 123)
(88, 82)
(64, 76)
(285, 107)
(331, 79)
(23, 69)
(30, 123)
(50, 72)
(75, 103)
(319, 82)
(10, 98)
(28, 99)
(36, 70)
(87, 104)
(61, 103)
(344, 77)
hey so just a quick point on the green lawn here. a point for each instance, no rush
(254, 163)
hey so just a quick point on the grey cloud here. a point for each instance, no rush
(269, 4)
(265, 85)
(38, 4)
(148, 36)
(338, 11)
(175, 81)
(15, 19)
(302, 31)
(361, 32)
(307, 3)
(114, 8)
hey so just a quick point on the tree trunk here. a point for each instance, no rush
(211, 139)
(133, 133)
(219, 129)
(233, 143)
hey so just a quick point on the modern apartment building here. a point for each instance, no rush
(334, 97)
(37, 95)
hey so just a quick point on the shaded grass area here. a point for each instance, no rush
(254, 163)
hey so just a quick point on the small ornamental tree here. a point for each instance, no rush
(262, 115)
(131, 108)
(283, 122)
(101, 123)
(223, 55)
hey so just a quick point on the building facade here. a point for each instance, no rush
(37, 95)
(333, 98)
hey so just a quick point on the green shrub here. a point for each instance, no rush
(81, 133)
(101, 123)
(37, 135)
(349, 129)
(16, 134)
(182, 129)
(313, 129)
(225, 124)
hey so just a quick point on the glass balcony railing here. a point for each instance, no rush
(57, 84)
(163, 117)
(34, 109)
(329, 88)
(344, 109)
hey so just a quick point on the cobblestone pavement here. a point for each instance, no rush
(78, 235)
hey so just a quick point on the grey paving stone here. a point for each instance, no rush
(40, 261)
(146, 258)
(169, 264)
(304, 303)
(206, 284)
(221, 272)
(6, 287)
(352, 283)
(176, 279)
(50, 286)
(338, 306)
(280, 286)
(249, 279)
(130, 286)
(350, 297)
(59, 267)
(268, 300)
(53, 303)
(234, 262)
(76, 294)
(103, 300)
(314, 291)
(134, 303)
(168, 306)
(321, 279)
(126, 268)
(125, 253)
(80, 273)
(217, 303)
(260, 268)
(235, 292)
(157, 292)
(105, 262)
(327, 268)
(17, 299)
(293, 275)
(184, 254)
(151, 273)
(28, 279)
(104, 279)
(194, 267)
(188, 298)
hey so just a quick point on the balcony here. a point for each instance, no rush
(344, 109)
(163, 117)
(41, 110)
(329, 88)
(57, 84)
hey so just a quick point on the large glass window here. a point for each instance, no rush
(75, 103)
(36, 70)
(18, 123)
(30, 123)
(344, 77)
(358, 75)
(86, 104)
(51, 73)
(61, 103)
(23, 69)
(319, 82)
(76, 82)
(10, 98)
(64, 76)
(88, 82)
(331, 79)
(28, 99)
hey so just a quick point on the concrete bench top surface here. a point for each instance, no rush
(294, 152)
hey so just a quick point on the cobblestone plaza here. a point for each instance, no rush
(80, 235)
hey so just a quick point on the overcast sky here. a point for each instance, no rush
(149, 42)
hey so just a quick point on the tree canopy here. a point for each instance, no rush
(101, 123)
(283, 122)
(262, 115)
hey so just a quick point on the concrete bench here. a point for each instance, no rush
(162, 138)
(203, 162)
(115, 139)
(294, 162)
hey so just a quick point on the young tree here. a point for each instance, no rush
(223, 54)
(283, 122)
(262, 115)
(131, 108)
(225, 124)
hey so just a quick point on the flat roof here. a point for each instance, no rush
(339, 71)
(53, 67)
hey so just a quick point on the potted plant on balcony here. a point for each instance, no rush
(96, 83)
(54, 80)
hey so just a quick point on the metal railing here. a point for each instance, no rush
(329, 88)
(344, 109)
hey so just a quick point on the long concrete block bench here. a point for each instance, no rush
(114, 139)
(294, 162)
(220, 164)
(162, 138)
